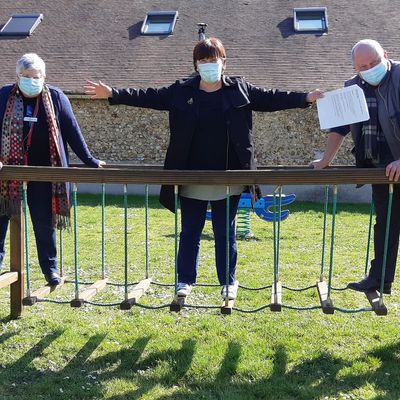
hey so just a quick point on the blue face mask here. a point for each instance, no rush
(374, 75)
(210, 72)
(30, 87)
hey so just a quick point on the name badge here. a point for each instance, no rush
(30, 119)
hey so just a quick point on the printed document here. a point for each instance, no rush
(342, 107)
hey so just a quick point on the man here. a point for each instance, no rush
(377, 144)
(37, 126)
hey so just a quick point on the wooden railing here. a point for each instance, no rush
(129, 174)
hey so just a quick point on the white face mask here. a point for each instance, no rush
(210, 72)
(375, 74)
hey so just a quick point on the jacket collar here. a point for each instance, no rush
(195, 81)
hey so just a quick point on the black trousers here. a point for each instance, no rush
(380, 197)
(39, 203)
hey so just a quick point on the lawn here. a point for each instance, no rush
(58, 352)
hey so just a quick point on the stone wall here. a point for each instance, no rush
(139, 136)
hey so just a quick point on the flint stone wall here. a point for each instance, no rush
(140, 136)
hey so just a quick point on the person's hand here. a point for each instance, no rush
(97, 90)
(101, 163)
(314, 95)
(1, 165)
(319, 164)
(393, 171)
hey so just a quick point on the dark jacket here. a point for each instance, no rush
(70, 132)
(388, 99)
(239, 99)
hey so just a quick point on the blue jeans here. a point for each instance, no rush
(193, 216)
(39, 203)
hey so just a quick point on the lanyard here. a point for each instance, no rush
(31, 124)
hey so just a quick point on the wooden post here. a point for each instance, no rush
(17, 265)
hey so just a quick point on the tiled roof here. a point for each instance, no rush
(100, 39)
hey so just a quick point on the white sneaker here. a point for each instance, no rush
(232, 292)
(183, 289)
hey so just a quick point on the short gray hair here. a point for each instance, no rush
(373, 44)
(30, 61)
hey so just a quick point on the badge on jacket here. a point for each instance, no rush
(190, 101)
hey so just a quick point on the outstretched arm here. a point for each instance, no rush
(158, 99)
(333, 144)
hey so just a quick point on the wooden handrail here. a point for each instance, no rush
(134, 175)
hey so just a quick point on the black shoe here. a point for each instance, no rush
(370, 284)
(53, 278)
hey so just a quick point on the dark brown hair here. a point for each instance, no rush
(208, 48)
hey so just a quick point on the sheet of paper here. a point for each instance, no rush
(342, 107)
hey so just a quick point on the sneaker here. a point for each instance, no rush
(232, 292)
(183, 289)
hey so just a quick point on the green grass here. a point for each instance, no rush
(58, 352)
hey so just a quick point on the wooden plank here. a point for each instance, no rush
(137, 292)
(326, 302)
(177, 303)
(373, 298)
(17, 264)
(8, 278)
(90, 292)
(227, 305)
(42, 292)
(275, 176)
(276, 299)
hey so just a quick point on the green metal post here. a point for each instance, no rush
(321, 278)
(126, 240)
(147, 228)
(103, 206)
(334, 202)
(75, 204)
(176, 191)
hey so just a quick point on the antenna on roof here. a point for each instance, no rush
(202, 30)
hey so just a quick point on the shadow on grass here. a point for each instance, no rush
(88, 377)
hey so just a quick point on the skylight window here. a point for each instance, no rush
(310, 19)
(159, 23)
(21, 24)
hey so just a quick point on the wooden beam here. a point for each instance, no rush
(17, 264)
(137, 292)
(90, 292)
(227, 305)
(275, 176)
(326, 302)
(42, 292)
(377, 306)
(276, 299)
(8, 278)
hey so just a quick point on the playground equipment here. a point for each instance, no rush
(128, 175)
(264, 209)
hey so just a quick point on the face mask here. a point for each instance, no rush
(31, 87)
(374, 75)
(210, 72)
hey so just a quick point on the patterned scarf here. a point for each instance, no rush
(12, 153)
(371, 130)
